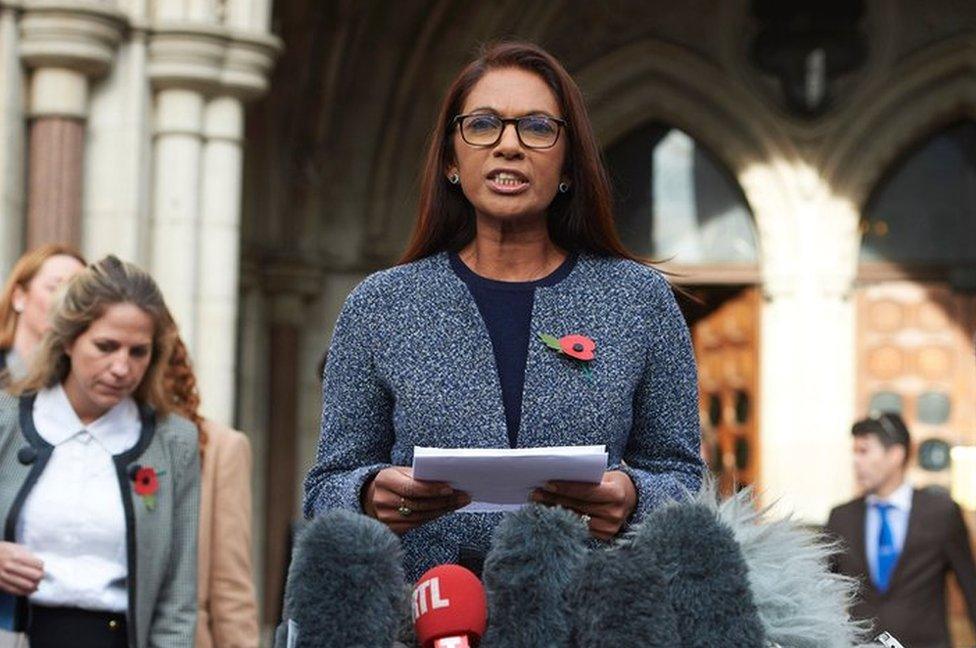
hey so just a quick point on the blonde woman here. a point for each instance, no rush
(99, 480)
(26, 301)
(227, 615)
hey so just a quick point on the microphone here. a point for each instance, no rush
(345, 585)
(621, 599)
(449, 608)
(707, 584)
(536, 554)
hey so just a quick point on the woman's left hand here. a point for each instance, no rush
(608, 503)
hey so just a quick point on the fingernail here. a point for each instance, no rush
(447, 490)
(536, 496)
(552, 488)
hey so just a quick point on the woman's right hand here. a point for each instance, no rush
(395, 488)
(20, 570)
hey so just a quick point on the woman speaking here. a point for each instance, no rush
(515, 319)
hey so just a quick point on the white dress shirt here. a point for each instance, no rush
(901, 501)
(73, 519)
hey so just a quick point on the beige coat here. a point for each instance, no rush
(227, 616)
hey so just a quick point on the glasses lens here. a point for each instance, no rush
(538, 131)
(481, 130)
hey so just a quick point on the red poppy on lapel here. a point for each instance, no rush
(146, 484)
(578, 347)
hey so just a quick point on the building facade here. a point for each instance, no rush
(808, 171)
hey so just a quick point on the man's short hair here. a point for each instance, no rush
(890, 429)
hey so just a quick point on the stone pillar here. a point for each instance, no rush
(118, 151)
(184, 65)
(11, 141)
(244, 77)
(285, 346)
(64, 42)
(807, 366)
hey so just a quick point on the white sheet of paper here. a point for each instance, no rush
(501, 479)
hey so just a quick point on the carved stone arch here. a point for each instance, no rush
(917, 98)
(652, 80)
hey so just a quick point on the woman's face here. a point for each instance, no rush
(33, 303)
(109, 360)
(509, 181)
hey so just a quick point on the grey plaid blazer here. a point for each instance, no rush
(162, 543)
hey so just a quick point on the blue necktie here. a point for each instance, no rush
(887, 551)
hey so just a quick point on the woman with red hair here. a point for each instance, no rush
(26, 300)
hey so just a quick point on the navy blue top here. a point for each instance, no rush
(506, 308)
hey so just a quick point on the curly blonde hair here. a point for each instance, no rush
(86, 298)
(180, 384)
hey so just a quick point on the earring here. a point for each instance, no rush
(18, 307)
(563, 187)
(454, 178)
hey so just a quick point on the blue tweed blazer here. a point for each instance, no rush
(411, 364)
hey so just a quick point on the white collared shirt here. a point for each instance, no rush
(73, 519)
(901, 500)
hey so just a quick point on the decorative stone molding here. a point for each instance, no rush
(187, 56)
(210, 59)
(79, 35)
(248, 63)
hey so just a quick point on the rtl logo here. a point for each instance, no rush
(427, 597)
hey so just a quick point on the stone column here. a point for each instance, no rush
(244, 77)
(11, 140)
(64, 42)
(290, 287)
(807, 369)
(184, 65)
(283, 415)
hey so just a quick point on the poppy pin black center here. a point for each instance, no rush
(577, 347)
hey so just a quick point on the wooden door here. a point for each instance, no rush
(726, 340)
(915, 357)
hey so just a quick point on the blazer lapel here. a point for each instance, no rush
(859, 548)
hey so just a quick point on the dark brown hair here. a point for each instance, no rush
(579, 221)
(889, 428)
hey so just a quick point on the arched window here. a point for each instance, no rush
(675, 202)
(924, 213)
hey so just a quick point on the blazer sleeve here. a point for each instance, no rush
(357, 414)
(175, 613)
(663, 454)
(233, 606)
(959, 553)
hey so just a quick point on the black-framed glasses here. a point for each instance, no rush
(485, 129)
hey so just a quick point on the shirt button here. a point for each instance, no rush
(113, 624)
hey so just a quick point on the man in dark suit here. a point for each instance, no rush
(901, 542)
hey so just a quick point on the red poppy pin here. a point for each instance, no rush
(145, 482)
(578, 347)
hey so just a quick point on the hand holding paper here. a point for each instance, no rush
(503, 479)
